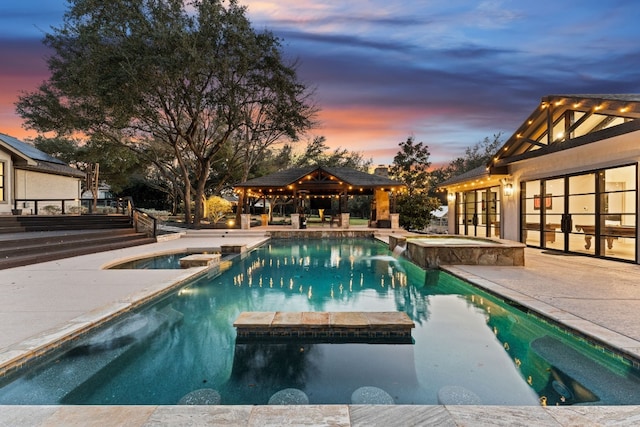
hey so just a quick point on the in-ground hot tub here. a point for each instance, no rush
(431, 251)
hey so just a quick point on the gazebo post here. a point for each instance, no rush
(245, 218)
(295, 216)
(344, 210)
(264, 218)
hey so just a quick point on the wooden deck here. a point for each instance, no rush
(351, 326)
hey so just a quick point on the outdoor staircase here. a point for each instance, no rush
(32, 239)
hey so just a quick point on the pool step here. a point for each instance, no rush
(100, 355)
(354, 326)
(582, 378)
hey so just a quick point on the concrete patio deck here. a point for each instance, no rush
(42, 302)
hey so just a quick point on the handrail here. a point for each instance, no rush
(141, 220)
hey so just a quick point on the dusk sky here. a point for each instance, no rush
(448, 72)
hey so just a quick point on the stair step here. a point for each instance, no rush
(51, 244)
(44, 256)
(12, 224)
(30, 239)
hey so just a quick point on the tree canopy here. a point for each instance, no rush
(317, 153)
(411, 167)
(475, 156)
(173, 80)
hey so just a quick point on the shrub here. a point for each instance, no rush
(76, 210)
(216, 208)
(51, 210)
(160, 215)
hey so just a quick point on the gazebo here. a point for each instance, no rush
(316, 187)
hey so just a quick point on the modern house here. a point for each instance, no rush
(31, 179)
(566, 180)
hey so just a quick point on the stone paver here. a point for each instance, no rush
(315, 319)
(287, 319)
(254, 318)
(347, 319)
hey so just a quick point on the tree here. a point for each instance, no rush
(475, 156)
(117, 163)
(415, 210)
(167, 76)
(411, 167)
(65, 149)
(317, 154)
(217, 208)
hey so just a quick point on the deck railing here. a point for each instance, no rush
(141, 221)
(68, 206)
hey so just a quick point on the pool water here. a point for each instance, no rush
(157, 262)
(464, 339)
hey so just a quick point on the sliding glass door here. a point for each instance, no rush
(478, 212)
(593, 213)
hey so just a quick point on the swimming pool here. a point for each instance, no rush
(463, 338)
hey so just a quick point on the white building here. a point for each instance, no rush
(31, 178)
(566, 180)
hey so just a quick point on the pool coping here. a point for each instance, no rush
(320, 415)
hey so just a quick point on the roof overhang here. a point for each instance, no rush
(481, 177)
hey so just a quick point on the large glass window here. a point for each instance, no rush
(592, 213)
(617, 212)
(478, 212)
(582, 211)
(531, 207)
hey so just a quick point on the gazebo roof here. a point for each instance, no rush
(320, 181)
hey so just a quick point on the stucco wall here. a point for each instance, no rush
(36, 185)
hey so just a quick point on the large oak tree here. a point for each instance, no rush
(185, 77)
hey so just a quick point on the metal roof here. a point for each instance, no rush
(28, 150)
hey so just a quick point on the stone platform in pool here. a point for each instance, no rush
(352, 326)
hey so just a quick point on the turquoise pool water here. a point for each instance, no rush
(165, 261)
(464, 338)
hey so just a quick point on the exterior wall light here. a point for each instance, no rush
(451, 197)
(507, 190)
